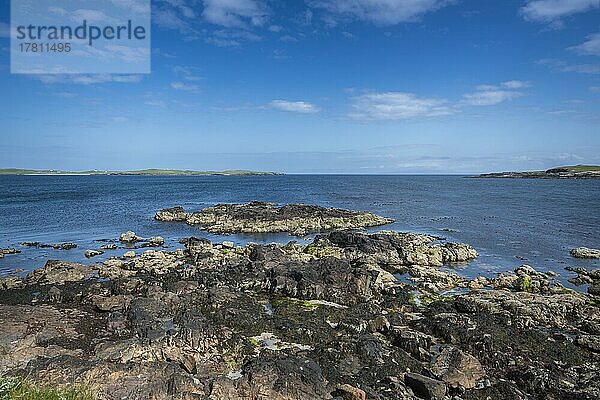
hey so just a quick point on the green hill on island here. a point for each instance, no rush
(564, 172)
(149, 172)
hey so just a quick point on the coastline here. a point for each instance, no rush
(566, 172)
(347, 315)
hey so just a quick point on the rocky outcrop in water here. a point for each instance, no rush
(8, 251)
(259, 217)
(327, 320)
(584, 252)
(55, 246)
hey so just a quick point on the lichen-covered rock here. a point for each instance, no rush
(56, 271)
(177, 214)
(457, 368)
(130, 237)
(93, 253)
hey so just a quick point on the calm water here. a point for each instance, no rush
(508, 221)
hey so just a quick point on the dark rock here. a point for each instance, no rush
(424, 387)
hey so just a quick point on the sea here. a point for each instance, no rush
(509, 221)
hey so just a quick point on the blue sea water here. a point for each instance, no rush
(508, 221)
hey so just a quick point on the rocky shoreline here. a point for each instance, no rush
(260, 217)
(347, 316)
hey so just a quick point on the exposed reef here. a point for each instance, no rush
(260, 217)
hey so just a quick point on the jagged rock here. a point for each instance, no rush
(93, 253)
(457, 368)
(112, 303)
(584, 252)
(11, 282)
(349, 392)
(30, 244)
(391, 248)
(156, 241)
(130, 237)
(8, 251)
(59, 272)
(424, 387)
(172, 214)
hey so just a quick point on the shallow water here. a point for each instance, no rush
(509, 221)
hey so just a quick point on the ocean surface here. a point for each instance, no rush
(509, 221)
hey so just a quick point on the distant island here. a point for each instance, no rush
(565, 172)
(148, 172)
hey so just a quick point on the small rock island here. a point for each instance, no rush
(261, 217)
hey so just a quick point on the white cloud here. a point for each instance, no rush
(187, 73)
(88, 79)
(181, 6)
(591, 47)
(397, 105)
(489, 95)
(516, 84)
(176, 15)
(288, 39)
(232, 37)
(380, 12)
(595, 89)
(137, 6)
(186, 87)
(235, 13)
(294, 106)
(66, 95)
(553, 10)
(593, 69)
(156, 103)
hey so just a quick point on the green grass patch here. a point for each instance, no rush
(21, 389)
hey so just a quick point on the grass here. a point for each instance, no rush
(577, 168)
(21, 389)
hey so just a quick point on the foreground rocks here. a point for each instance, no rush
(327, 320)
(258, 217)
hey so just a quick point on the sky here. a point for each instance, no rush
(325, 86)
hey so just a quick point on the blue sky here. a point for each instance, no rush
(326, 86)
